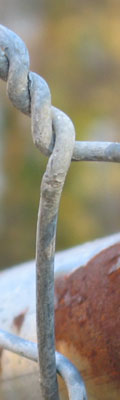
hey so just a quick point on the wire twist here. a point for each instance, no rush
(30, 93)
(53, 133)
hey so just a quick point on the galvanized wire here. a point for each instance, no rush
(30, 93)
(53, 133)
(65, 368)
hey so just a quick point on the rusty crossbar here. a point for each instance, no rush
(54, 134)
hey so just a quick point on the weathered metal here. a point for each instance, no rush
(53, 133)
(96, 151)
(30, 93)
(51, 189)
(87, 307)
(65, 368)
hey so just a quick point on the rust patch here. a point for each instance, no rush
(88, 313)
(1, 352)
(19, 319)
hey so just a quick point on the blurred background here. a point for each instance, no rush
(75, 46)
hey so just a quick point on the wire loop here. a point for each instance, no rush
(54, 134)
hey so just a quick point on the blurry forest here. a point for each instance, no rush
(75, 46)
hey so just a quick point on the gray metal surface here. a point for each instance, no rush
(53, 133)
(17, 299)
(30, 93)
(65, 368)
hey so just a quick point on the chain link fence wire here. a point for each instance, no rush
(53, 134)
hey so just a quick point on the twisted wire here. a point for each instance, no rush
(30, 93)
(53, 133)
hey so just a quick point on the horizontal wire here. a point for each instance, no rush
(96, 151)
(65, 368)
